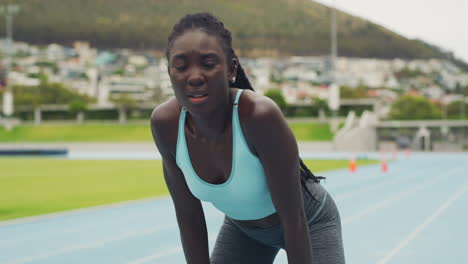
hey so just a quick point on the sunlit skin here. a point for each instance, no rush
(198, 65)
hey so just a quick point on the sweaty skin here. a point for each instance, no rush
(198, 67)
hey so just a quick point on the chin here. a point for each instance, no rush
(199, 108)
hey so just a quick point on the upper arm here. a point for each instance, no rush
(277, 150)
(189, 211)
(164, 131)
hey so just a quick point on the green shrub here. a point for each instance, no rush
(277, 96)
(414, 107)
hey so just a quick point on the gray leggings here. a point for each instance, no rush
(245, 245)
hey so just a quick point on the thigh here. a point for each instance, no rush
(233, 246)
(325, 234)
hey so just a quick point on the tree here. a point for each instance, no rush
(407, 73)
(46, 93)
(50, 93)
(354, 93)
(414, 107)
(78, 106)
(123, 102)
(277, 96)
(157, 95)
(456, 110)
(320, 104)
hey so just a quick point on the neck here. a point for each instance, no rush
(211, 126)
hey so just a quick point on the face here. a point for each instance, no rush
(199, 71)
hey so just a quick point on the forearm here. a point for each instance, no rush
(195, 242)
(194, 236)
(297, 243)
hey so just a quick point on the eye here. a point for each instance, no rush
(180, 67)
(179, 64)
(209, 63)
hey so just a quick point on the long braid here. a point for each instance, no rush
(242, 81)
(212, 25)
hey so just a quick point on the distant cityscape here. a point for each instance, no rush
(104, 74)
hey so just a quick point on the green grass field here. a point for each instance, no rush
(126, 133)
(38, 186)
(78, 133)
(311, 131)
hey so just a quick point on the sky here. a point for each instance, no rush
(440, 22)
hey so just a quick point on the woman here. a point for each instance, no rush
(221, 142)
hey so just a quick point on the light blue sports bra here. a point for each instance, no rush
(245, 194)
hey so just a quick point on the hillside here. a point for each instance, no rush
(260, 27)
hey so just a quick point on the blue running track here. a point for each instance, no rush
(417, 212)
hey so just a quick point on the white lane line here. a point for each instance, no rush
(359, 215)
(395, 175)
(403, 243)
(88, 245)
(30, 219)
(165, 253)
(393, 198)
(365, 188)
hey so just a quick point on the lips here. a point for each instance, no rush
(198, 98)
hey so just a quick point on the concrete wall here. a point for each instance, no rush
(357, 135)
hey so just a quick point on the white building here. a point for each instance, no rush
(114, 86)
(55, 52)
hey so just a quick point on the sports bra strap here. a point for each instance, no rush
(236, 101)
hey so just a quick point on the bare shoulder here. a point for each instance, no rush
(165, 112)
(164, 125)
(255, 107)
(262, 121)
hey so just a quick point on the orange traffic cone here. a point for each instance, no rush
(384, 166)
(352, 165)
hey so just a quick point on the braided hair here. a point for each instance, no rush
(213, 26)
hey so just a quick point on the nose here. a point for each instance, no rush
(195, 77)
